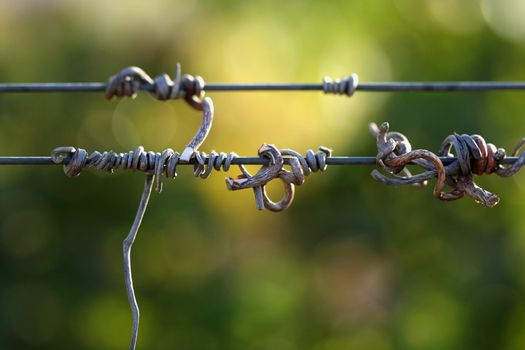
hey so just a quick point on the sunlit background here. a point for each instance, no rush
(351, 265)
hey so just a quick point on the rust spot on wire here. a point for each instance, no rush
(473, 156)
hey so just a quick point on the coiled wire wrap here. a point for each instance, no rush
(341, 86)
(161, 165)
(217, 161)
(313, 161)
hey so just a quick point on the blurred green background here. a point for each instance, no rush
(351, 265)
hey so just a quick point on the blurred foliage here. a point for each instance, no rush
(352, 265)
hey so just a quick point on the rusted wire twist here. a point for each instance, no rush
(474, 157)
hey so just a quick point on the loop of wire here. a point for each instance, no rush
(128, 81)
(341, 86)
(474, 156)
(300, 167)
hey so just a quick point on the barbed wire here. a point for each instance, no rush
(472, 154)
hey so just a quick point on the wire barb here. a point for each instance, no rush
(341, 86)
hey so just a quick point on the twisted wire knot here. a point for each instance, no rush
(395, 152)
(474, 156)
(300, 167)
(341, 86)
(128, 82)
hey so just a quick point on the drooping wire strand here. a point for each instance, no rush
(126, 250)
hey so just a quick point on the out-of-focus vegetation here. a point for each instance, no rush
(352, 265)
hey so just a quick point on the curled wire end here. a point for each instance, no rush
(395, 153)
(341, 86)
(391, 144)
(130, 80)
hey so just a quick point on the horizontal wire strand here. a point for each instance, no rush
(239, 160)
(370, 87)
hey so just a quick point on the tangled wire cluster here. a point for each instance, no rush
(474, 156)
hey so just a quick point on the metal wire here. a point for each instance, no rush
(370, 87)
(240, 160)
